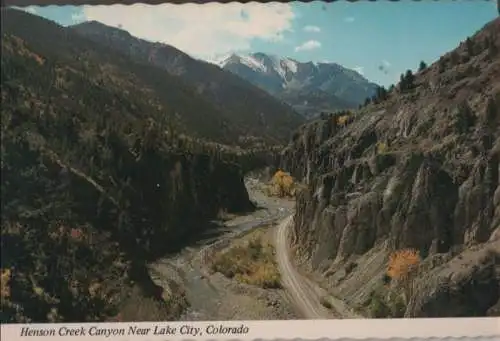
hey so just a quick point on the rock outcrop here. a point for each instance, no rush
(418, 170)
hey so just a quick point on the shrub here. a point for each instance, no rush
(403, 267)
(282, 184)
(350, 267)
(402, 263)
(5, 283)
(397, 306)
(377, 307)
(326, 302)
(381, 148)
(343, 120)
(251, 263)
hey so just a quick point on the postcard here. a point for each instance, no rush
(244, 170)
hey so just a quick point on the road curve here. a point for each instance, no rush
(306, 300)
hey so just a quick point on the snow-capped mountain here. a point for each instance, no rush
(309, 87)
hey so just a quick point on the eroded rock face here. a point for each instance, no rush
(468, 285)
(418, 170)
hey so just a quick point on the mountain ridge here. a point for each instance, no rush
(237, 100)
(330, 85)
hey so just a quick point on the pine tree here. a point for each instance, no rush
(381, 93)
(410, 78)
(469, 47)
(402, 83)
(407, 81)
(422, 66)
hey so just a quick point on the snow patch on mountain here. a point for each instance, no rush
(259, 62)
(291, 65)
(252, 63)
(282, 66)
(322, 84)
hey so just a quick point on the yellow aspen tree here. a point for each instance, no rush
(403, 267)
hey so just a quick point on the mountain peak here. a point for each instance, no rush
(330, 84)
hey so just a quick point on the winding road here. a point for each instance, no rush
(305, 299)
(306, 295)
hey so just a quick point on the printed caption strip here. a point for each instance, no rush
(443, 329)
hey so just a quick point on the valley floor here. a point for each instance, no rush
(212, 296)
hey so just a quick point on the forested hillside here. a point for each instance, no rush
(99, 177)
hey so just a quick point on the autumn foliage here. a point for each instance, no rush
(252, 262)
(403, 263)
(5, 275)
(282, 185)
(403, 267)
(381, 147)
(343, 120)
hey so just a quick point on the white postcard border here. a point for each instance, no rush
(250, 330)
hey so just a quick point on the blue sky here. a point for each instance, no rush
(379, 39)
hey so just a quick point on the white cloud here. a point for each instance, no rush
(386, 63)
(349, 19)
(310, 28)
(359, 69)
(29, 9)
(308, 45)
(200, 30)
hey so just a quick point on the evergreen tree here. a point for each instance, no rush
(407, 81)
(422, 66)
(410, 78)
(402, 82)
(381, 93)
(469, 47)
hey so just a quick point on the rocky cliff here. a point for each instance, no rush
(420, 171)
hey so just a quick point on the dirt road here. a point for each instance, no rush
(305, 299)
(305, 294)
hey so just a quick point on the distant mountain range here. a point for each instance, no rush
(309, 87)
